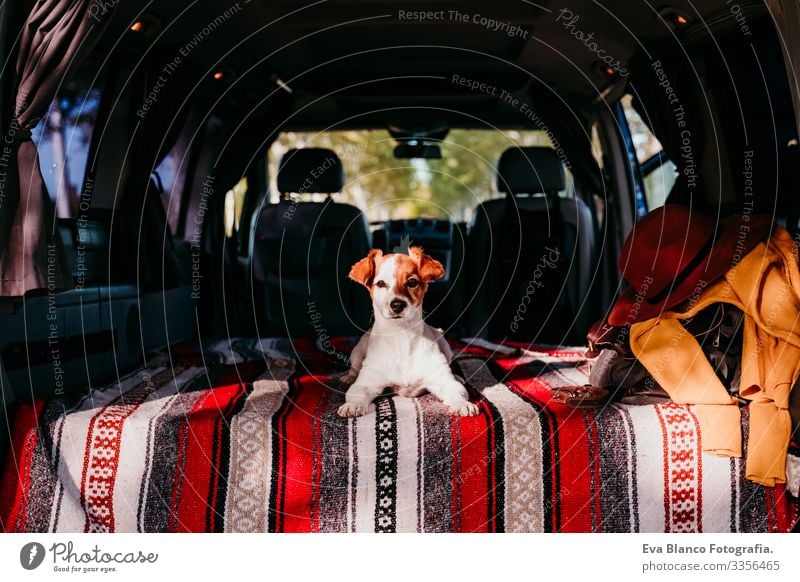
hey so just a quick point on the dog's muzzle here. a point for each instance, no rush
(397, 306)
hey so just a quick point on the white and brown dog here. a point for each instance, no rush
(400, 350)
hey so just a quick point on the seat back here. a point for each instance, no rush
(303, 252)
(530, 255)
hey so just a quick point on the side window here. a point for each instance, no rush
(599, 157)
(63, 138)
(234, 203)
(172, 174)
(658, 171)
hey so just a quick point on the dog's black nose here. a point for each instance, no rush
(397, 305)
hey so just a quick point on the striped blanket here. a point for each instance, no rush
(243, 436)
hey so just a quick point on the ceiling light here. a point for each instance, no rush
(605, 71)
(673, 17)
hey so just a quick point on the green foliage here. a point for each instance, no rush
(387, 188)
(467, 173)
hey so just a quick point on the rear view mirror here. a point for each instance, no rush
(405, 151)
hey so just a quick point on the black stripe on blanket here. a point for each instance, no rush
(385, 466)
(436, 466)
(156, 493)
(752, 517)
(44, 467)
(615, 472)
(333, 491)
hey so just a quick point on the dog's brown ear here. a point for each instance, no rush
(364, 270)
(429, 268)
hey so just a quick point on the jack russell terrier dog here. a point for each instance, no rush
(400, 350)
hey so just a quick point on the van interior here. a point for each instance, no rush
(215, 169)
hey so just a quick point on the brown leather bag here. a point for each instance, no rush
(718, 330)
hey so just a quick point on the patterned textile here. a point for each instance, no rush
(243, 435)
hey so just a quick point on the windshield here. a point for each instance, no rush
(385, 188)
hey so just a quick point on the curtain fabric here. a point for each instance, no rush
(56, 35)
(142, 248)
(664, 87)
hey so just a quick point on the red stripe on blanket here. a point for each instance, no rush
(782, 508)
(17, 472)
(578, 497)
(781, 512)
(597, 483)
(316, 466)
(197, 502)
(455, 509)
(682, 469)
(472, 473)
(561, 353)
(698, 450)
(101, 457)
(296, 478)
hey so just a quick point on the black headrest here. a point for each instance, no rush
(531, 170)
(310, 170)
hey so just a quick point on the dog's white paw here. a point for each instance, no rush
(464, 409)
(349, 409)
(348, 377)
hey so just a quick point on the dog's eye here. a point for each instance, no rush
(411, 283)
(381, 284)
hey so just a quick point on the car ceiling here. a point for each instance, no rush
(360, 63)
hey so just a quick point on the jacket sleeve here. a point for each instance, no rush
(676, 361)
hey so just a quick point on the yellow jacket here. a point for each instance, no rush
(765, 285)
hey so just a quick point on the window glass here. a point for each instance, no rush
(63, 139)
(658, 182)
(234, 203)
(172, 172)
(385, 187)
(597, 146)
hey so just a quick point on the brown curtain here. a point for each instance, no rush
(56, 35)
